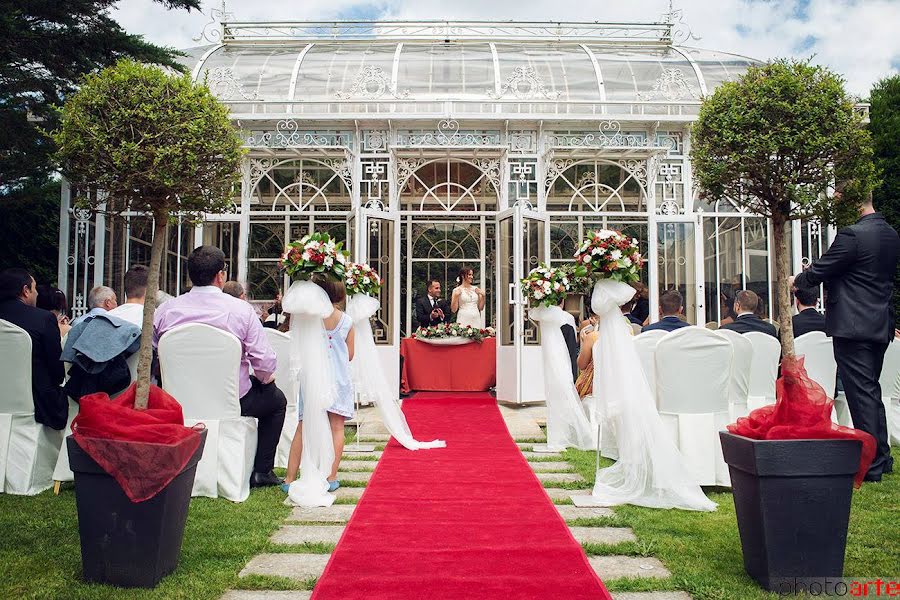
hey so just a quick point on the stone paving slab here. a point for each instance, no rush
(558, 493)
(307, 534)
(292, 566)
(265, 595)
(374, 437)
(530, 455)
(336, 513)
(613, 567)
(355, 448)
(352, 492)
(557, 477)
(603, 535)
(360, 465)
(346, 476)
(651, 596)
(570, 513)
(543, 450)
(349, 454)
(549, 467)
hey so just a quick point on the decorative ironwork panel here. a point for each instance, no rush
(371, 83)
(522, 141)
(448, 133)
(288, 134)
(525, 83)
(670, 188)
(671, 85)
(304, 184)
(374, 192)
(596, 185)
(523, 181)
(375, 141)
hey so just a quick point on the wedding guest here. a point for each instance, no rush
(339, 327)
(807, 318)
(135, 292)
(101, 299)
(627, 313)
(726, 309)
(745, 305)
(571, 339)
(235, 289)
(430, 309)
(274, 316)
(858, 272)
(54, 300)
(585, 361)
(641, 308)
(259, 396)
(18, 305)
(671, 307)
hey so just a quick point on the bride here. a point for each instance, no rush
(467, 300)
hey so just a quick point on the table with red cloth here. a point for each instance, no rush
(470, 367)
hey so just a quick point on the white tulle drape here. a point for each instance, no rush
(650, 470)
(368, 376)
(308, 305)
(567, 424)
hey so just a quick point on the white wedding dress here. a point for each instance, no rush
(650, 470)
(468, 313)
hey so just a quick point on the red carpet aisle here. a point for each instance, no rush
(467, 521)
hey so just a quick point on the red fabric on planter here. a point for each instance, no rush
(802, 411)
(468, 368)
(158, 443)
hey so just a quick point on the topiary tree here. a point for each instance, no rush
(154, 143)
(775, 141)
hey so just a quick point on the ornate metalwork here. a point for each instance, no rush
(406, 167)
(371, 83)
(341, 166)
(212, 32)
(522, 141)
(375, 141)
(525, 84)
(637, 168)
(491, 167)
(670, 85)
(609, 135)
(680, 31)
(287, 134)
(448, 133)
(374, 180)
(223, 83)
(668, 208)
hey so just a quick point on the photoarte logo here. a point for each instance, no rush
(835, 587)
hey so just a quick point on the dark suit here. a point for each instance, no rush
(858, 273)
(423, 311)
(634, 319)
(571, 340)
(666, 324)
(50, 404)
(749, 322)
(807, 320)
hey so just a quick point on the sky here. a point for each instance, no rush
(859, 39)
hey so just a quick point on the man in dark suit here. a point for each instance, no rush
(18, 297)
(670, 306)
(626, 312)
(430, 309)
(745, 305)
(807, 318)
(858, 272)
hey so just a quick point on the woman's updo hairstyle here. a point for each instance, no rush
(336, 290)
(463, 273)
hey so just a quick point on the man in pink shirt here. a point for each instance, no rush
(206, 303)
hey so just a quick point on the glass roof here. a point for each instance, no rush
(541, 70)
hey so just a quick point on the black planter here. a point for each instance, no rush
(792, 499)
(125, 543)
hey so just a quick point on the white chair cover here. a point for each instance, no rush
(567, 425)
(818, 350)
(28, 449)
(650, 470)
(308, 305)
(645, 344)
(763, 370)
(693, 372)
(635, 329)
(890, 376)
(368, 375)
(200, 365)
(739, 385)
(281, 343)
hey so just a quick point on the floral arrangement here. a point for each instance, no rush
(445, 330)
(546, 286)
(362, 279)
(580, 281)
(315, 253)
(610, 255)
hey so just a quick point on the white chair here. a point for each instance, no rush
(28, 449)
(281, 343)
(739, 382)
(200, 366)
(818, 352)
(693, 370)
(635, 329)
(890, 372)
(645, 344)
(763, 370)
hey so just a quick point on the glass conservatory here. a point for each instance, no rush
(436, 145)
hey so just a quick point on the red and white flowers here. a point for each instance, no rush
(446, 330)
(315, 253)
(362, 279)
(608, 254)
(546, 286)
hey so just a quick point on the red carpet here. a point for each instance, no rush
(467, 521)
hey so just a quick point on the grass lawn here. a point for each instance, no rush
(703, 550)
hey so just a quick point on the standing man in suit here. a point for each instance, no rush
(807, 318)
(858, 273)
(430, 309)
(745, 304)
(671, 306)
(18, 299)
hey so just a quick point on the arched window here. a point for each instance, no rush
(301, 185)
(448, 184)
(597, 186)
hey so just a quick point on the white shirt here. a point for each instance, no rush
(131, 312)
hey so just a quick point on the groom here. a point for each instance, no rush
(430, 309)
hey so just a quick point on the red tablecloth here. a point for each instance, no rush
(467, 368)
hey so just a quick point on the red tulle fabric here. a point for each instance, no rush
(802, 411)
(142, 449)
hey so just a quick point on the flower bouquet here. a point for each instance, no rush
(452, 334)
(609, 254)
(362, 279)
(315, 253)
(548, 286)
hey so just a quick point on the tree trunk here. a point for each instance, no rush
(782, 285)
(145, 358)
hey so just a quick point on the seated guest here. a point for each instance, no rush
(206, 303)
(671, 306)
(101, 299)
(571, 339)
(135, 290)
(430, 309)
(18, 299)
(626, 311)
(641, 308)
(234, 288)
(54, 300)
(807, 318)
(745, 304)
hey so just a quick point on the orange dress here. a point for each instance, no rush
(585, 382)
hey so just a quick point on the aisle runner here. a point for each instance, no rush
(467, 521)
